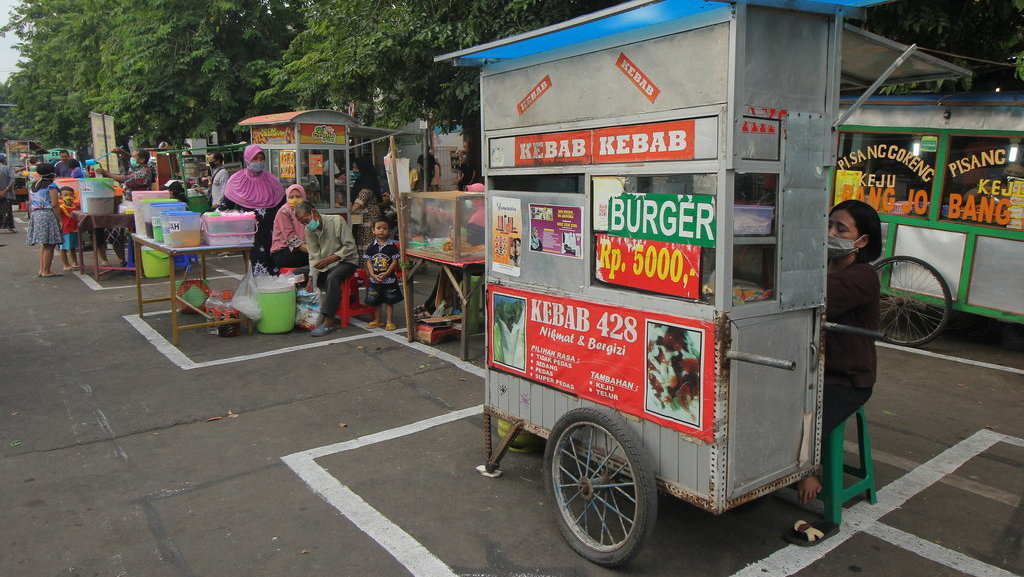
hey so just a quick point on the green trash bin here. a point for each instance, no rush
(277, 309)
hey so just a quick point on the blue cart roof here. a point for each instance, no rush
(626, 17)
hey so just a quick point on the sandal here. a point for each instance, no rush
(390, 327)
(805, 534)
(373, 324)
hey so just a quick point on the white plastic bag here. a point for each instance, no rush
(244, 300)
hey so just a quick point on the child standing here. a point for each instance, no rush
(69, 228)
(381, 263)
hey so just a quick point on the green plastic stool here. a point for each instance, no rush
(834, 494)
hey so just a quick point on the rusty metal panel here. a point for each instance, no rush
(600, 85)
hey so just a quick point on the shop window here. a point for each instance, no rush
(539, 183)
(892, 172)
(655, 234)
(984, 182)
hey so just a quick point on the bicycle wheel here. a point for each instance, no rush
(916, 304)
(603, 490)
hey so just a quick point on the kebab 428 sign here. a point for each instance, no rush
(653, 242)
(654, 366)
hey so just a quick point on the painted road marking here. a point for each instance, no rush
(93, 285)
(403, 547)
(971, 362)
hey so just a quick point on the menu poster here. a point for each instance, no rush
(657, 367)
(556, 230)
(507, 235)
(287, 164)
(316, 164)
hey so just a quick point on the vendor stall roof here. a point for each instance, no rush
(623, 18)
(298, 116)
(865, 54)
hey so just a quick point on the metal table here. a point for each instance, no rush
(140, 241)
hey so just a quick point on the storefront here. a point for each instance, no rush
(948, 180)
(313, 148)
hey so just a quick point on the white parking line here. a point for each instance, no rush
(92, 284)
(971, 362)
(402, 546)
(863, 516)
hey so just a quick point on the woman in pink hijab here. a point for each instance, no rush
(254, 189)
(289, 247)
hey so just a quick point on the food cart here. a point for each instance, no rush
(18, 153)
(947, 178)
(189, 164)
(657, 192)
(313, 148)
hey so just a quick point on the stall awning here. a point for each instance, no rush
(297, 116)
(865, 55)
(626, 17)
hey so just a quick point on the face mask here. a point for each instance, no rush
(294, 202)
(313, 225)
(353, 175)
(840, 247)
(134, 163)
(256, 166)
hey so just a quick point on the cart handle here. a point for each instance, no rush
(761, 360)
(829, 326)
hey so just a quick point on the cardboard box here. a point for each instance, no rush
(433, 334)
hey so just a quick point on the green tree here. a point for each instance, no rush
(990, 30)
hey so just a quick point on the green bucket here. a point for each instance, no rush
(277, 310)
(524, 442)
(198, 204)
(155, 264)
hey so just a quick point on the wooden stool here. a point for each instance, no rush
(834, 493)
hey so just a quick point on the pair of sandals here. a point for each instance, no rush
(387, 327)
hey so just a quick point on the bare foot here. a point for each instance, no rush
(808, 488)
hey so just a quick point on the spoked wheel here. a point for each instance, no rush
(603, 489)
(916, 303)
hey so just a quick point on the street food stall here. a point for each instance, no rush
(657, 192)
(189, 164)
(18, 154)
(947, 179)
(313, 148)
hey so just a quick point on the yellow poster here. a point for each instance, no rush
(847, 185)
(287, 164)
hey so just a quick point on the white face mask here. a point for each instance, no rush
(256, 166)
(840, 247)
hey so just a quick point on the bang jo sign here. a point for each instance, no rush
(656, 367)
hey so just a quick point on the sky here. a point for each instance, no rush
(8, 56)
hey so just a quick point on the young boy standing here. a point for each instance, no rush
(69, 229)
(381, 263)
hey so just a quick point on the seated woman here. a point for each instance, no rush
(289, 248)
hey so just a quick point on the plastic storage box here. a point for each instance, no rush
(445, 226)
(97, 195)
(228, 228)
(156, 210)
(181, 228)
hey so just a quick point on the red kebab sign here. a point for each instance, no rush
(674, 140)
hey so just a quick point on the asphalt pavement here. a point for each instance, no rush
(283, 455)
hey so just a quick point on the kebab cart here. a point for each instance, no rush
(657, 193)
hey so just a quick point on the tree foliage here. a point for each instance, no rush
(163, 68)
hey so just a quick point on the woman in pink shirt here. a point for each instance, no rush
(288, 248)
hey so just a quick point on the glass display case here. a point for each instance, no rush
(445, 226)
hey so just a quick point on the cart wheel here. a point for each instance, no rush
(916, 304)
(602, 486)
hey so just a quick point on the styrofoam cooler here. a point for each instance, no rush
(97, 195)
(181, 228)
(154, 224)
(230, 228)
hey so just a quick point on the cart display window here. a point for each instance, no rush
(654, 233)
(892, 172)
(984, 182)
(754, 230)
(571, 183)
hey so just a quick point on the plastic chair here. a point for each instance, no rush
(350, 304)
(834, 493)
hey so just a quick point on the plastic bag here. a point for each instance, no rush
(244, 300)
(307, 309)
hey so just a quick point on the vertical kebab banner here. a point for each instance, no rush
(657, 367)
